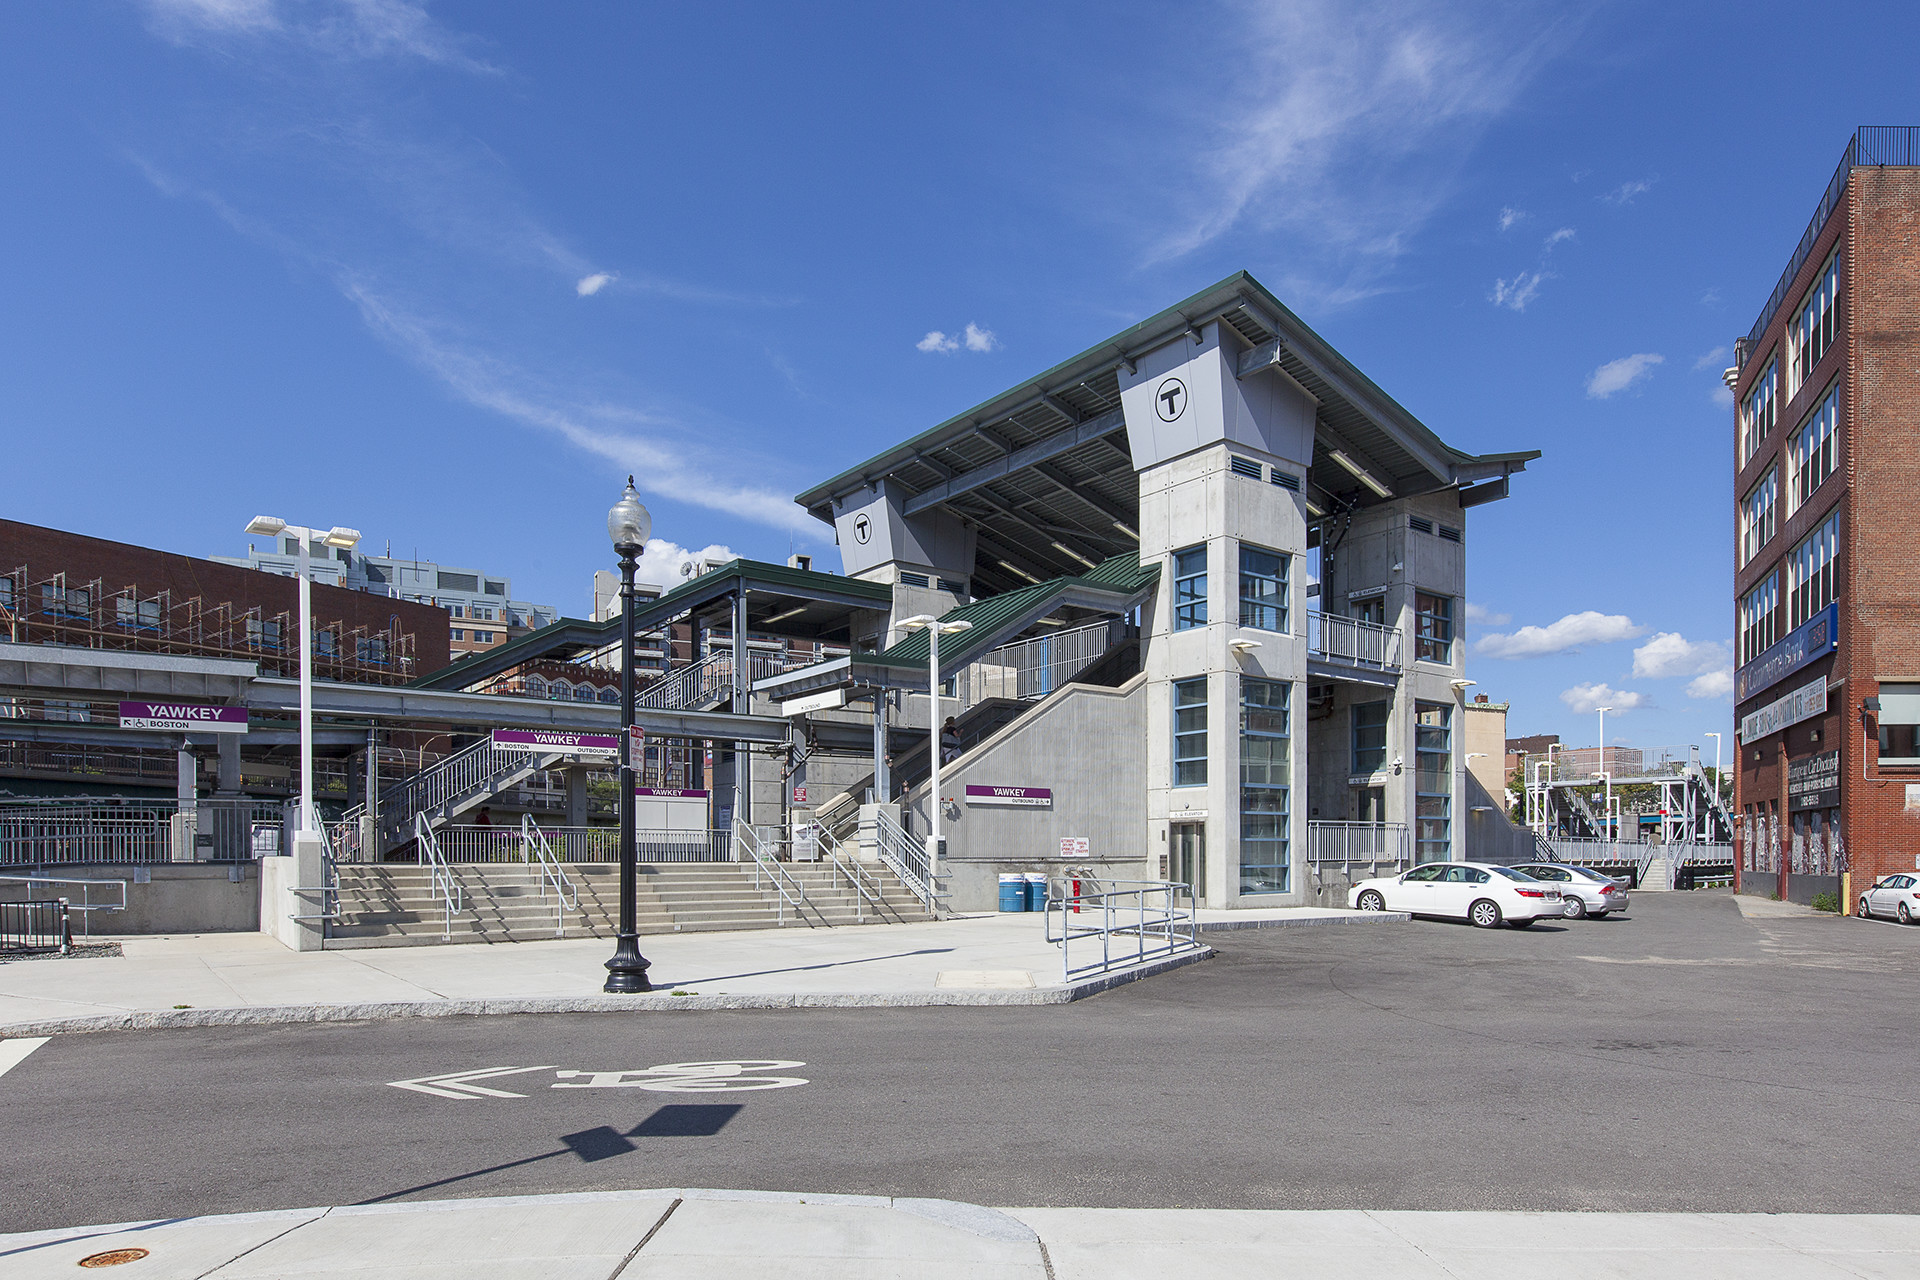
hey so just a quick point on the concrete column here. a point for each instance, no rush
(742, 754)
(229, 778)
(882, 781)
(576, 797)
(186, 777)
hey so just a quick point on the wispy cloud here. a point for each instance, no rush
(1715, 359)
(1479, 613)
(590, 285)
(1509, 216)
(1668, 653)
(973, 338)
(1558, 237)
(1617, 375)
(1711, 298)
(1564, 636)
(1350, 126)
(1516, 293)
(1585, 699)
(393, 29)
(1628, 192)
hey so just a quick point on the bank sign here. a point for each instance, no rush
(1804, 703)
(182, 717)
(1011, 797)
(1813, 639)
(577, 746)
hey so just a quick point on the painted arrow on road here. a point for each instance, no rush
(460, 1086)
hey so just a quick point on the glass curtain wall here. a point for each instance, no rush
(1433, 782)
(1265, 784)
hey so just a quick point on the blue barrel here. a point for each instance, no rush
(1013, 892)
(1036, 891)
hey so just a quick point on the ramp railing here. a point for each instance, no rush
(1119, 924)
(448, 890)
(867, 890)
(908, 859)
(36, 926)
(754, 846)
(538, 852)
(86, 906)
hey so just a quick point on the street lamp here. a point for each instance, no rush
(1604, 771)
(1716, 764)
(344, 540)
(934, 629)
(628, 524)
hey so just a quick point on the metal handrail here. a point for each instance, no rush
(868, 888)
(444, 886)
(1147, 911)
(908, 861)
(792, 893)
(565, 897)
(87, 905)
(1364, 644)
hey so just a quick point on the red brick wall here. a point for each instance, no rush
(46, 552)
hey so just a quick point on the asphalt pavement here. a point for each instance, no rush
(1684, 1058)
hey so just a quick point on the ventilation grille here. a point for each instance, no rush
(1420, 523)
(1451, 535)
(1245, 467)
(1286, 479)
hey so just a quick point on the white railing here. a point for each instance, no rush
(1341, 854)
(1133, 921)
(908, 860)
(57, 838)
(477, 844)
(867, 890)
(754, 845)
(706, 682)
(540, 854)
(444, 887)
(1333, 638)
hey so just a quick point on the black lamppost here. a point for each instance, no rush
(628, 524)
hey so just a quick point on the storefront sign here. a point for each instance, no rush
(670, 793)
(182, 717)
(1011, 797)
(1815, 638)
(1813, 782)
(579, 746)
(1804, 703)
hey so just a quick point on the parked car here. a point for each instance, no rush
(1479, 892)
(1585, 892)
(1897, 896)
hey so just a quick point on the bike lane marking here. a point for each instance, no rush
(733, 1075)
(14, 1052)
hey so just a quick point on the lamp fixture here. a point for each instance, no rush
(1241, 648)
(1360, 473)
(1064, 549)
(1014, 568)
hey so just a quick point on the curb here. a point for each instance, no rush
(275, 1015)
(1357, 917)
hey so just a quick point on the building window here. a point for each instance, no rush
(1370, 736)
(1899, 718)
(1810, 452)
(1265, 783)
(1811, 332)
(1434, 636)
(1757, 415)
(536, 687)
(323, 643)
(263, 634)
(483, 637)
(1756, 515)
(609, 695)
(1433, 781)
(458, 634)
(142, 615)
(372, 649)
(584, 693)
(1263, 589)
(457, 610)
(1190, 588)
(1760, 619)
(1190, 733)
(1810, 572)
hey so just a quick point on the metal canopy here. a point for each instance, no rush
(1043, 474)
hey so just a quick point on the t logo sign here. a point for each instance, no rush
(1170, 399)
(862, 528)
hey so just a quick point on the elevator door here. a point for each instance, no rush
(1189, 840)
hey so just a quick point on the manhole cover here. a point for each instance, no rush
(113, 1257)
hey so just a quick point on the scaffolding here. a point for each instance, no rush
(58, 610)
(1665, 784)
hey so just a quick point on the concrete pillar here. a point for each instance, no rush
(186, 778)
(576, 797)
(882, 781)
(229, 778)
(742, 702)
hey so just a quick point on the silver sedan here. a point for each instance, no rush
(1586, 892)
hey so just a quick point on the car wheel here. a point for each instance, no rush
(1485, 914)
(1576, 908)
(1372, 901)
(1866, 912)
(1906, 917)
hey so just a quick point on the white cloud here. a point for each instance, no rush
(1711, 298)
(979, 339)
(1564, 233)
(1715, 360)
(973, 338)
(1350, 127)
(340, 29)
(1669, 653)
(660, 562)
(936, 341)
(1585, 699)
(1617, 375)
(1516, 293)
(590, 285)
(1721, 396)
(1714, 684)
(1626, 192)
(1479, 613)
(1564, 636)
(1510, 215)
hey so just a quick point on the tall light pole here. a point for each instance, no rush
(934, 629)
(628, 524)
(340, 539)
(1604, 771)
(1716, 765)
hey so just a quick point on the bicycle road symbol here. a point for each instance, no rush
(733, 1075)
(1170, 399)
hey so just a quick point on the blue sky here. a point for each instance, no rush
(447, 273)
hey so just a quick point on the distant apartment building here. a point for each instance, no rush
(482, 612)
(1827, 668)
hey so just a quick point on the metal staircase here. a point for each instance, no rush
(438, 794)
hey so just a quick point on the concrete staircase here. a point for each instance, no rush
(392, 904)
(1658, 877)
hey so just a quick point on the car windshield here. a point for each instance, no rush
(1511, 874)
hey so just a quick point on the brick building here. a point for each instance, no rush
(1826, 584)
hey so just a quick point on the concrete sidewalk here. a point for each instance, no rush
(228, 978)
(703, 1234)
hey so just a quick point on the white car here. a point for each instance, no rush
(1896, 895)
(1480, 892)
(1585, 892)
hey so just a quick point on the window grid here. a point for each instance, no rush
(1810, 572)
(1760, 619)
(1190, 733)
(1757, 515)
(1263, 589)
(1811, 333)
(1265, 785)
(1190, 588)
(1433, 637)
(1756, 422)
(1370, 736)
(1433, 782)
(1810, 454)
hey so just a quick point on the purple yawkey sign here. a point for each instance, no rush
(582, 746)
(183, 717)
(1013, 797)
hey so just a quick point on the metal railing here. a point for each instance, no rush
(909, 861)
(87, 905)
(68, 837)
(1349, 852)
(1333, 638)
(36, 926)
(753, 843)
(444, 886)
(867, 890)
(706, 682)
(1134, 921)
(472, 844)
(540, 854)
(1031, 669)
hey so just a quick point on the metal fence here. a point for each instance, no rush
(1129, 922)
(480, 845)
(1333, 638)
(103, 830)
(1032, 669)
(112, 894)
(35, 926)
(1341, 854)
